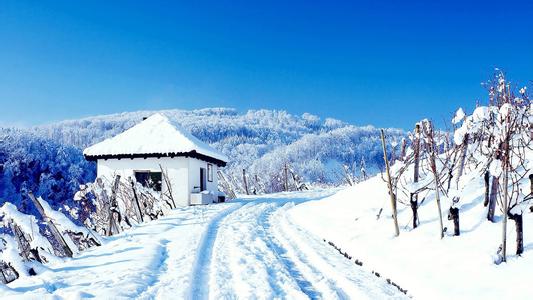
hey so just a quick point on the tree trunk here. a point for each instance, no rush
(414, 208)
(389, 181)
(531, 184)
(487, 188)
(517, 218)
(492, 198)
(531, 189)
(454, 215)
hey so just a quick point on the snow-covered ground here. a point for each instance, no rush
(456, 267)
(249, 248)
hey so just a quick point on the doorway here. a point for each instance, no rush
(202, 179)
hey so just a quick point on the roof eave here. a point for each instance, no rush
(192, 154)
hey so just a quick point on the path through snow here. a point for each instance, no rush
(248, 248)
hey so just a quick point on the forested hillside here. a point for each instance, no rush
(259, 140)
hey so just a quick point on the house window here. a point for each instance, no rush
(210, 172)
(149, 179)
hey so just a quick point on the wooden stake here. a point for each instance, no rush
(53, 229)
(136, 200)
(286, 178)
(392, 197)
(505, 191)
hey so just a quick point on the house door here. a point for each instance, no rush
(202, 179)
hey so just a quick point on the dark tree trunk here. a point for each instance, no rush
(492, 198)
(531, 184)
(245, 182)
(454, 215)
(517, 218)
(487, 188)
(414, 207)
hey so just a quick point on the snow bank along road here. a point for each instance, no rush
(248, 248)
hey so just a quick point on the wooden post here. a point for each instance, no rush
(505, 192)
(531, 184)
(245, 182)
(392, 196)
(417, 153)
(454, 215)
(53, 229)
(519, 224)
(414, 208)
(414, 198)
(493, 198)
(286, 178)
(436, 175)
(486, 178)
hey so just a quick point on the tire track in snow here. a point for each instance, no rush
(282, 255)
(348, 280)
(199, 284)
(249, 256)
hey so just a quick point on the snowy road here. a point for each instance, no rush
(247, 249)
(259, 253)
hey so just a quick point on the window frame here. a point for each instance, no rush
(156, 186)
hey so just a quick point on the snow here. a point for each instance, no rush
(459, 116)
(247, 248)
(28, 225)
(155, 135)
(481, 113)
(456, 267)
(65, 224)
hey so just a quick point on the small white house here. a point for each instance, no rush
(157, 143)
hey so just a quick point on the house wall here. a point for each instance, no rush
(176, 168)
(184, 173)
(194, 175)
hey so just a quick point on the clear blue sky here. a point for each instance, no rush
(387, 64)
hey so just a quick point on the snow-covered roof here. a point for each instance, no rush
(155, 137)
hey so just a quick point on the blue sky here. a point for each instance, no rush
(386, 63)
